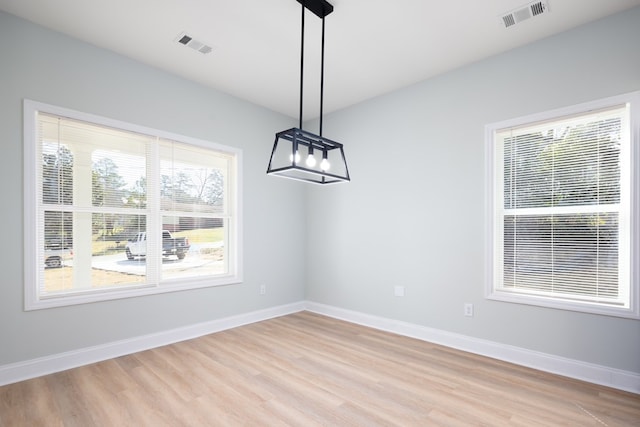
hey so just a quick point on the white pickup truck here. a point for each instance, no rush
(137, 247)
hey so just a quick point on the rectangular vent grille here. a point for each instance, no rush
(509, 20)
(538, 8)
(525, 12)
(194, 44)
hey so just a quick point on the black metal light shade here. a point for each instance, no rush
(302, 155)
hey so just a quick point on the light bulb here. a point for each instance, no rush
(297, 157)
(311, 161)
(325, 165)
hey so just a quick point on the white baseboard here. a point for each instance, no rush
(20, 371)
(597, 374)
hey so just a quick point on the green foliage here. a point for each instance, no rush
(576, 165)
(57, 189)
(109, 188)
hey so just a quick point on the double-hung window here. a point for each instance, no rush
(114, 210)
(563, 208)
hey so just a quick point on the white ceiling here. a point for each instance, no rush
(372, 46)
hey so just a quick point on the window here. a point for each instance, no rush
(116, 210)
(563, 232)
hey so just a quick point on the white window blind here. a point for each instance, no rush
(562, 211)
(94, 186)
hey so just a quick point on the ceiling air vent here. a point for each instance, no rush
(525, 12)
(187, 40)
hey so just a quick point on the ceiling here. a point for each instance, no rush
(372, 46)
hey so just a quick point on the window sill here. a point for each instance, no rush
(560, 304)
(33, 302)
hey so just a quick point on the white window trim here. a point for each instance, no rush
(32, 301)
(633, 311)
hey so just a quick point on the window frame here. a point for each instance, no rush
(32, 298)
(493, 218)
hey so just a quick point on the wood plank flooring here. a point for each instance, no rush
(309, 370)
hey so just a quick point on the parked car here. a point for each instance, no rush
(55, 257)
(137, 246)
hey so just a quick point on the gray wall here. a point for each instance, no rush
(414, 213)
(45, 66)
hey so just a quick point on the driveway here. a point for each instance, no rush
(119, 262)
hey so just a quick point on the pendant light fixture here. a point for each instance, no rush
(301, 155)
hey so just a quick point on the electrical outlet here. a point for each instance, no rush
(398, 291)
(468, 310)
(263, 289)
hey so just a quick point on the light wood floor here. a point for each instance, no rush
(308, 370)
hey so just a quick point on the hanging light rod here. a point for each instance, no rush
(325, 162)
